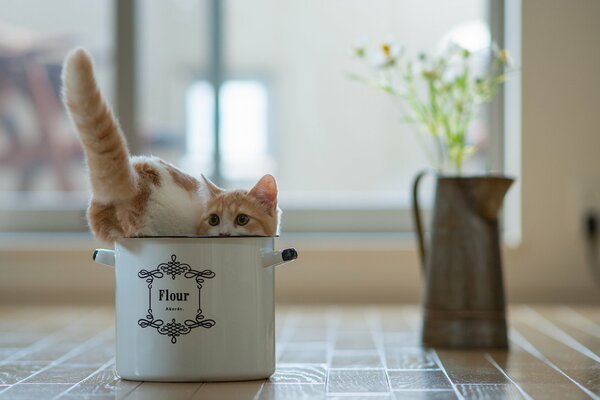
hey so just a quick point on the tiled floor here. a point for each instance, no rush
(333, 353)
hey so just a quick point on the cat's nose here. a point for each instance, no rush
(224, 234)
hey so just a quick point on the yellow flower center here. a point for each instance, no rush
(387, 49)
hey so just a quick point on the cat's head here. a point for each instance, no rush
(239, 212)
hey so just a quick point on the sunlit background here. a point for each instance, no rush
(286, 105)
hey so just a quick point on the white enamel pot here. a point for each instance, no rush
(195, 308)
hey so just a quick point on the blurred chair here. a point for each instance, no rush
(30, 80)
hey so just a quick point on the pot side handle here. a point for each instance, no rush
(104, 256)
(275, 258)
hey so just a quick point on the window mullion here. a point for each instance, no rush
(216, 79)
(125, 101)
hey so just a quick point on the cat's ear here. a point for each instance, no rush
(213, 189)
(266, 192)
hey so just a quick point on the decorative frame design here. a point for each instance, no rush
(174, 329)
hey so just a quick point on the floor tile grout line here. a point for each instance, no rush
(583, 320)
(522, 342)
(77, 350)
(101, 368)
(490, 358)
(438, 361)
(550, 329)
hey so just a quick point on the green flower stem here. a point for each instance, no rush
(449, 105)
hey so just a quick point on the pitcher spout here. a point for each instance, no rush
(487, 194)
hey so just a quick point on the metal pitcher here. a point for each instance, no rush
(464, 295)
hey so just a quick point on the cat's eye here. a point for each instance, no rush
(214, 220)
(242, 219)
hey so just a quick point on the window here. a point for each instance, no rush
(275, 73)
(244, 118)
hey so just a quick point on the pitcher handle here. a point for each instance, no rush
(417, 218)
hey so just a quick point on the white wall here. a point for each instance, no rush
(560, 147)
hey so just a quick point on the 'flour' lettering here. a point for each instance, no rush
(165, 295)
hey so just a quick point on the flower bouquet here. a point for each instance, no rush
(440, 92)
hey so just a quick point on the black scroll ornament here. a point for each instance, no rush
(175, 329)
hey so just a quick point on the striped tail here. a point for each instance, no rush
(111, 174)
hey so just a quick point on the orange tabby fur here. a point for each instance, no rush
(146, 196)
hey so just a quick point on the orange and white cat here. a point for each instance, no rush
(146, 196)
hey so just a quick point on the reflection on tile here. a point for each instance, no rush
(418, 380)
(8, 351)
(425, 395)
(588, 377)
(470, 367)
(536, 377)
(31, 391)
(409, 358)
(357, 381)
(96, 355)
(354, 340)
(494, 391)
(47, 353)
(104, 382)
(333, 353)
(561, 354)
(356, 359)
(304, 355)
(229, 390)
(162, 391)
(13, 373)
(352, 321)
(20, 339)
(395, 340)
(580, 328)
(392, 320)
(304, 335)
(301, 373)
(293, 391)
(371, 396)
(62, 374)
